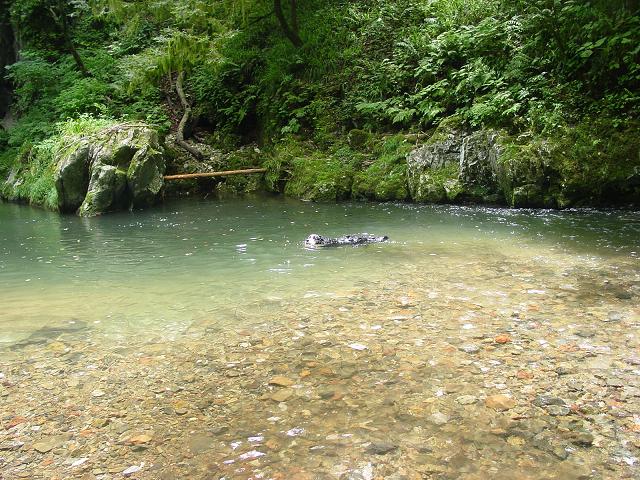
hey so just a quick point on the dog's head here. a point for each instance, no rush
(314, 240)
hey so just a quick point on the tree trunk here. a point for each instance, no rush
(290, 33)
(60, 18)
(293, 7)
(185, 119)
(7, 57)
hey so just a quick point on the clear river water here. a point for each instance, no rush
(200, 339)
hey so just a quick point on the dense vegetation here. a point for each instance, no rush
(332, 86)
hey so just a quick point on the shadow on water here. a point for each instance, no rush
(49, 333)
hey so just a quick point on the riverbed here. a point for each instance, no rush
(200, 339)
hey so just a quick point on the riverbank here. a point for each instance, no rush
(455, 366)
(91, 167)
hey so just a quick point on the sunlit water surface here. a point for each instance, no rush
(201, 340)
(228, 261)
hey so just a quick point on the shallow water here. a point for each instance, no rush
(190, 261)
(168, 327)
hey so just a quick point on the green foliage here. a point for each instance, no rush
(597, 163)
(32, 168)
(313, 174)
(386, 178)
(374, 66)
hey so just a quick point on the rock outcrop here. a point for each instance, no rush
(433, 168)
(120, 167)
(483, 166)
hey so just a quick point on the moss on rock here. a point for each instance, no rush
(440, 185)
(320, 178)
(597, 164)
(303, 171)
(31, 178)
(124, 163)
(386, 178)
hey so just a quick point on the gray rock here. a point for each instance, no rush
(118, 168)
(614, 317)
(558, 410)
(485, 165)
(585, 333)
(438, 418)
(11, 445)
(432, 169)
(479, 156)
(467, 399)
(47, 444)
(470, 348)
(560, 451)
(200, 443)
(582, 439)
(547, 400)
(615, 382)
(381, 448)
(106, 191)
(72, 179)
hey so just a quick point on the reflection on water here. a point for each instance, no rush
(201, 340)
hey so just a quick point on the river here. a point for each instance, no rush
(200, 339)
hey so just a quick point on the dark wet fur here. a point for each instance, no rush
(315, 240)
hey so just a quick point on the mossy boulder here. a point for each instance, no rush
(382, 181)
(484, 166)
(301, 170)
(480, 153)
(358, 139)
(106, 191)
(116, 168)
(432, 164)
(242, 158)
(72, 176)
(524, 171)
(597, 163)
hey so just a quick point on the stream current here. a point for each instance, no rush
(200, 339)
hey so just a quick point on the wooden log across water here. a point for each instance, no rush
(185, 176)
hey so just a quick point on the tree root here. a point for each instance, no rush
(185, 120)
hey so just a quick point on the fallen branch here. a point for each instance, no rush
(184, 176)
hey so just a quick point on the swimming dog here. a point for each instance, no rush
(315, 240)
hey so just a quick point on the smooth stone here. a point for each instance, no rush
(558, 410)
(46, 445)
(438, 418)
(547, 400)
(131, 470)
(582, 439)
(560, 452)
(614, 317)
(623, 294)
(470, 348)
(140, 439)
(615, 382)
(200, 443)
(11, 445)
(584, 333)
(500, 402)
(282, 395)
(281, 381)
(381, 448)
(326, 393)
(466, 399)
